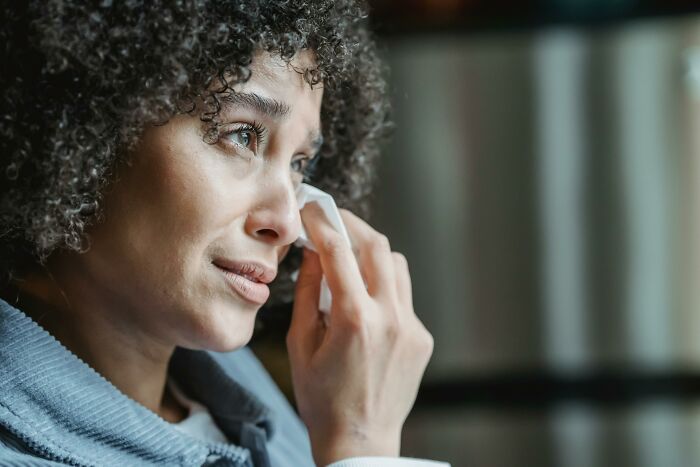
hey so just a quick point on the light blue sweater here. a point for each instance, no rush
(55, 409)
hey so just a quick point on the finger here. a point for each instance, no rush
(305, 314)
(337, 259)
(307, 289)
(374, 252)
(403, 282)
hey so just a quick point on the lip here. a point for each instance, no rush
(248, 279)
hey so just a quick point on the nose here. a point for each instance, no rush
(276, 220)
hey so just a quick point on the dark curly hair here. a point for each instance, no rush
(82, 79)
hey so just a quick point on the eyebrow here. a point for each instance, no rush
(264, 105)
(270, 107)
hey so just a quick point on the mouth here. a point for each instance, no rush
(248, 279)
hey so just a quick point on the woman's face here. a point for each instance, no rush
(186, 221)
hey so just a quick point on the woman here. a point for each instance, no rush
(150, 157)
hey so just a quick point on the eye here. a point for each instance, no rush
(299, 164)
(249, 136)
(241, 137)
(304, 165)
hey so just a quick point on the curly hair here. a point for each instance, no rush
(83, 79)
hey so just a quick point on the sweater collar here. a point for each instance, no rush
(58, 405)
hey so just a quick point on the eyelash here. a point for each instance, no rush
(255, 127)
(260, 132)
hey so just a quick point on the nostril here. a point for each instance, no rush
(268, 233)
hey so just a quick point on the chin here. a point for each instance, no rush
(227, 327)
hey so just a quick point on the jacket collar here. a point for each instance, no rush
(59, 406)
(202, 379)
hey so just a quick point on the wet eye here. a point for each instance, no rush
(242, 137)
(249, 136)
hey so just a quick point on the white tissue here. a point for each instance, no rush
(308, 194)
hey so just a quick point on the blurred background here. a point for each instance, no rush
(543, 180)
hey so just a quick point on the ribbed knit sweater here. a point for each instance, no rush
(55, 409)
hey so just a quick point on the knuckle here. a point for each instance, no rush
(391, 330)
(347, 304)
(350, 312)
(379, 244)
(399, 257)
(428, 342)
(400, 260)
(351, 218)
(334, 245)
(355, 323)
(423, 339)
(383, 242)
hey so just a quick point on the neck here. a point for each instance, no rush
(135, 363)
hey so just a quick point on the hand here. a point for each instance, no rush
(355, 377)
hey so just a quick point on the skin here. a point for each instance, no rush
(148, 283)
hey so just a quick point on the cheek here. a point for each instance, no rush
(177, 198)
(187, 195)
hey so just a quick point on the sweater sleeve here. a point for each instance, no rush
(387, 462)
